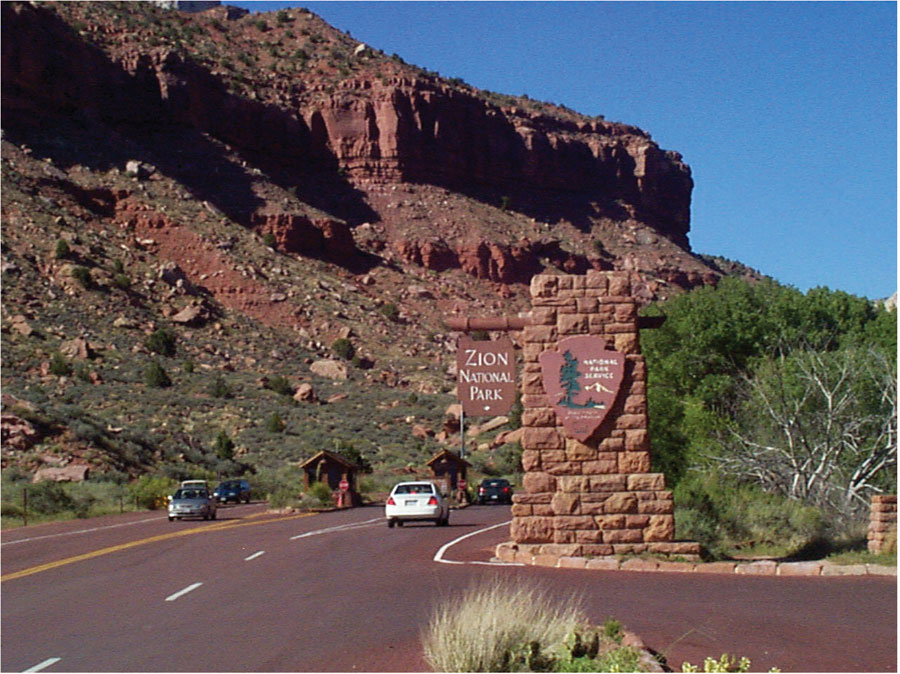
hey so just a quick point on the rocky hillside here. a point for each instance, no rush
(260, 188)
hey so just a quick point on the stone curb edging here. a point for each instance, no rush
(508, 553)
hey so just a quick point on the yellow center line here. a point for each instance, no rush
(145, 541)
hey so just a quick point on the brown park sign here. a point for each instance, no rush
(582, 380)
(487, 376)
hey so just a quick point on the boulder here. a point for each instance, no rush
(74, 473)
(330, 369)
(305, 393)
(16, 434)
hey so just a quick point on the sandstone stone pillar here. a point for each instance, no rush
(596, 497)
(882, 531)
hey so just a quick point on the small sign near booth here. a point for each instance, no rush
(487, 376)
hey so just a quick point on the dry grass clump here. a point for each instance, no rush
(498, 626)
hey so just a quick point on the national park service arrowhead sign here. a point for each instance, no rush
(582, 380)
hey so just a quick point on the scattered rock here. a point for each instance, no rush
(330, 369)
(16, 434)
(305, 393)
(75, 473)
(77, 348)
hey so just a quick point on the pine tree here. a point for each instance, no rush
(568, 377)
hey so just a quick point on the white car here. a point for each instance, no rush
(416, 501)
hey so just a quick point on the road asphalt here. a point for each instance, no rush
(339, 591)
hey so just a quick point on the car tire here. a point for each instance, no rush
(390, 524)
(213, 516)
(171, 519)
(399, 523)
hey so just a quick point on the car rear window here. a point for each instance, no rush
(424, 488)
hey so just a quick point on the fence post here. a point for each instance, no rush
(25, 506)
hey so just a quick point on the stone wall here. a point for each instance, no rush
(882, 523)
(596, 497)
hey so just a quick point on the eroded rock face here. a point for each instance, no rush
(415, 131)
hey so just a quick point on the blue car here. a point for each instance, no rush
(233, 490)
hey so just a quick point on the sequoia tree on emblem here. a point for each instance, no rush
(582, 380)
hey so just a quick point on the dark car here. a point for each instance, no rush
(494, 490)
(233, 490)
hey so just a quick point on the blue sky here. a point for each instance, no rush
(786, 112)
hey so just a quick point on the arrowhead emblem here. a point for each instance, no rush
(582, 380)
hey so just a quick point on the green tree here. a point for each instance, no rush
(224, 446)
(568, 377)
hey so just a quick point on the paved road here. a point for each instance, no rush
(341, 592)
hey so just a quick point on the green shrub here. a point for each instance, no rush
(59, 366)
(150, 491)
(275, 424)
(121, 281)
(390, 311)
(155, 376)
(322, 493)
(270, 240)
(280, 385)
(62, 249)
(219, 389)
(83, 276)
(188, 366)
(344, 348)
(48, 498)
(162, 342)
(727, 516)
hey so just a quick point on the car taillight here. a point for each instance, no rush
(432, 501)
(480, 490)
(390, 500)
(505, 489)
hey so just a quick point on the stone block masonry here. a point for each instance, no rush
(882, 523)
(597, 497)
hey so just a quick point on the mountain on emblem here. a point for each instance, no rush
(582, 380)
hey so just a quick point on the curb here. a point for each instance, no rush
(509, 552)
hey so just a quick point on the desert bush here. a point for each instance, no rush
(275, 424)
(280, 385)
(390, 311)
(62, 250)
(344, 348)
(83, 276)
(270, 240)
(156, 377)
(162, 342)
(727, 516)
(321, 492)
(219, 389)
(59, 366)
(150, 491)
(498, 626)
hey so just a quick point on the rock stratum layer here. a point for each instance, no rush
(557, 189)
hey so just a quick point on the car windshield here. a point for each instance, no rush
(424, 488)
(186, 493)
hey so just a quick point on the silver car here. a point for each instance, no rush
(416, 501)
(191, 502)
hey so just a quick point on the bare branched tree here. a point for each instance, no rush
(820, 427)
